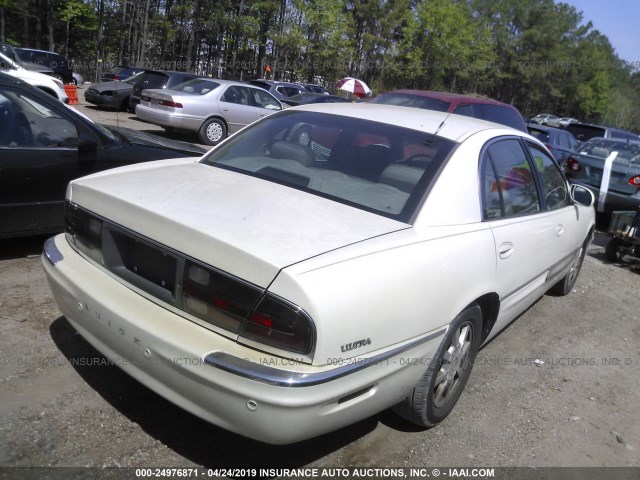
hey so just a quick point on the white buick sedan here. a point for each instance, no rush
(322, 265)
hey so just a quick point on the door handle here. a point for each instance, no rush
(559, 230)
(505, 250)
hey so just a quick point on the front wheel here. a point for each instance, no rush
(213, 131)
(437, 392)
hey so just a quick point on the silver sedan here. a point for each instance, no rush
(213, 108)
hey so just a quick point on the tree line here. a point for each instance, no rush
(538, 55)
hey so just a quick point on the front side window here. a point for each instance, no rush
(553, 184)
(372, 166)
(507, 178)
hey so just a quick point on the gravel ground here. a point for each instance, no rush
(63, 404)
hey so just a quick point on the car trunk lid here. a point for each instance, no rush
(248, 227)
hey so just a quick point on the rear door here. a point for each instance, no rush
(511, 201)
(237, 107)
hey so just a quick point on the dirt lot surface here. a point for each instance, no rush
(63, 404)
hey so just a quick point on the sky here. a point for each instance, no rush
(618, 20)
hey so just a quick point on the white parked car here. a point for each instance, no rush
(210, 107)
(50, 85)
(322, 265)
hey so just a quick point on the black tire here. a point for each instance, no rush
(437, 392)
(124, 106)
(213, 131)
(611, 249)
(564, 286)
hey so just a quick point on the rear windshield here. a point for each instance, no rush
(585, 132)
(197, 86)
(602, 148)
(376, 167)
(494, 113)
(415, 101)
(152, 80)
(539, 134)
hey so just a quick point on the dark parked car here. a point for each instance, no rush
(316, 88)
(304, 98)
(45, 144)
(587, 168)
(58, 64)
(482, 108)
(156, 79)
(587, 131)
(560, 143)
(112, 95)
(120, 73)
(280, 90)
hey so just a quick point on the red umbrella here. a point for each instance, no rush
(353, 85)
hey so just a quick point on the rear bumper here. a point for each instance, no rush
(267, 398)
(167, 119)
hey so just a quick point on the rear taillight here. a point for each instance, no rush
(280, 324)
(572, 165)
(169, 103)
(635, 181)
(219, 299)
(229, 303)
(83, 231)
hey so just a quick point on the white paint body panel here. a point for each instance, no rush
(357, 274)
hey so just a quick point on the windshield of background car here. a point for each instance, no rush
(377, 167)
(539, 134)
(601, 148)
(133, 78)
(152, 80)
(415, 101)
(584, 132)
(197, 86)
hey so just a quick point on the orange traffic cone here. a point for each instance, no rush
(72, 93)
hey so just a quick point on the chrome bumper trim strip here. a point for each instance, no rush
(285, 378)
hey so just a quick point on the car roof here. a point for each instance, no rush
(447, 125)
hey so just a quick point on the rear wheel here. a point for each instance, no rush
(564, 286)
(437, 392)
(213, 131)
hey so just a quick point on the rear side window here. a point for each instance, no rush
(508, 182)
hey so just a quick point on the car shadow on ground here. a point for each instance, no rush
(184, 433)
(12, 248)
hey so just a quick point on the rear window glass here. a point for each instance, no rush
(152, 80)
(197, 86)
(602, 148)
(498, 114)
(376, 167)
(585, 132)
(539, 134)
(415, 101)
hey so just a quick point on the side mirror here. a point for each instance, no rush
(582, 195)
